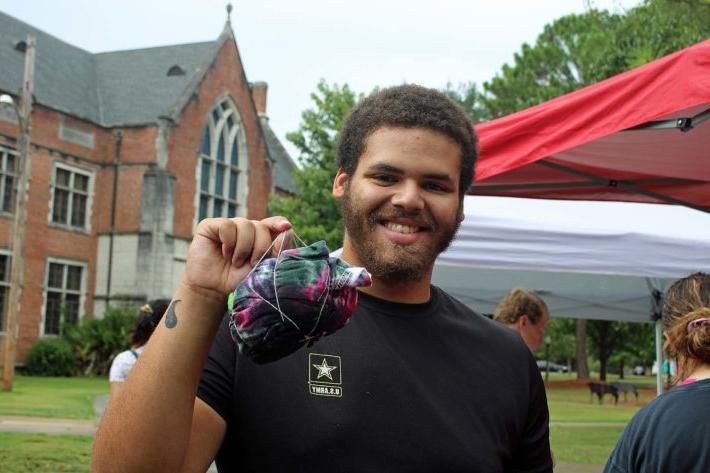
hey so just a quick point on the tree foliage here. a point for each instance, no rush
(580, 49)
(468, 95)
(562, 346)
(314, 213)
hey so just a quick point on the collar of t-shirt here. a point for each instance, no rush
(398, 309)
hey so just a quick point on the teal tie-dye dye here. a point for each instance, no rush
(293, 299)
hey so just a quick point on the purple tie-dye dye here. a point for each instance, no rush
(291, 300)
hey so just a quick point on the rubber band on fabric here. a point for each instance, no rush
(292, 299)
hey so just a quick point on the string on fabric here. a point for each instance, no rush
(277, 307)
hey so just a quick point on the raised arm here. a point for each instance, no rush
(149, 426)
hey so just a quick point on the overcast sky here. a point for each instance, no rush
(292, 44)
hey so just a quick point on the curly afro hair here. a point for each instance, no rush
(408, 106)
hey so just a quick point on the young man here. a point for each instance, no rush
(416, 381)
(526, 313)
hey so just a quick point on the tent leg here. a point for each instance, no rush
(659, 358)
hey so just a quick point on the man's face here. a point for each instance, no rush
(401, 206)
(534, 333)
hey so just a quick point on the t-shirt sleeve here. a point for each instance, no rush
(121, 366)
(217, 382)
(534, 451)
(619, 459)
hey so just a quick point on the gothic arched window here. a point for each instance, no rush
(222, 164)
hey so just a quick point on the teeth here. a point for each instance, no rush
(395, 227)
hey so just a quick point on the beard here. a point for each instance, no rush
(391, 262)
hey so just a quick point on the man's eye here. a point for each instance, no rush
(385, 178)
(434, 186)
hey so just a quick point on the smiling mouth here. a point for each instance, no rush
(404, 228)
(399, 228)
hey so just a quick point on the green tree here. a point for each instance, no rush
(637, 347)
(570, 53)
(660, 27)
(606, 337)
(621, 343)
(562, 341)
(314, 213)
(580, 49)
(468, 95)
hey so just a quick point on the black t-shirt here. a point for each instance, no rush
(403, 387)
(670, 434)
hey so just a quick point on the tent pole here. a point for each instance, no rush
(659, 358)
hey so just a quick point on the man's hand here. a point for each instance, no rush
(224, 250)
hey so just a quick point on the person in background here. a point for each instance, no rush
(671, 433)
(526, 313)
(148, 318)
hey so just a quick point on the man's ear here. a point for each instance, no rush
(339, 184)
(523, 320)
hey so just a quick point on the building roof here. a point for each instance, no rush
(65, 76)
(134, 86)
(283, 164)
(119, 88)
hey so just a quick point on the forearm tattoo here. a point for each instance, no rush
(170, 315)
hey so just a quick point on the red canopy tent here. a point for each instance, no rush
(641, 136)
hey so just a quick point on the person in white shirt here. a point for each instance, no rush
(149, 316)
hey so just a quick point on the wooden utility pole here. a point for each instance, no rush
(24, 175)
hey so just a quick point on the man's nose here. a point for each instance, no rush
(408, 196)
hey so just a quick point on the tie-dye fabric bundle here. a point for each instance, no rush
(291, 300)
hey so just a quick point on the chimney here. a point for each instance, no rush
(258, 94)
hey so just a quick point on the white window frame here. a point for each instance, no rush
(225, 107)
(4, 151)
(89, 197)
(46, 289)
(6, 284)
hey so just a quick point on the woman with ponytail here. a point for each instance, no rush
(671, 433)
(149, 316)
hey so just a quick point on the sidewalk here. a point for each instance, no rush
(52, 426)
(41, 425)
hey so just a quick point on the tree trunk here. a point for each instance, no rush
(582, 368)
(603, 359)
(621, 368)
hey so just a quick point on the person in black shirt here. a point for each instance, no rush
(416, 382)
(671, 433)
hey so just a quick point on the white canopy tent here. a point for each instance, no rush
(591, 260)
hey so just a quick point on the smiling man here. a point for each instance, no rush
(416, 382)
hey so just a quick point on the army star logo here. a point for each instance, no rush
(325, 375)
(324, 370)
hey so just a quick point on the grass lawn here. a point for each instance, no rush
(20, 453)
(587, 445)
(574, 405)
(73, 398)
(68, 398)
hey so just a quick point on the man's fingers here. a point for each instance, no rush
(245, 242)
(262, 242)
(227, 233)
(276, 224)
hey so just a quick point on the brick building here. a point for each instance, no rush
(130, 150)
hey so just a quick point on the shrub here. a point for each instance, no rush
(51, 357)
(96, 341)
